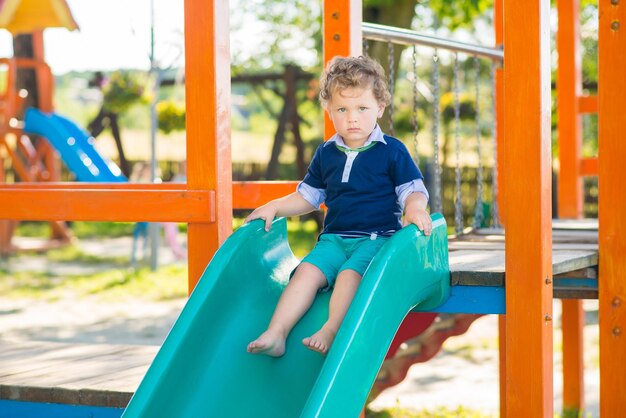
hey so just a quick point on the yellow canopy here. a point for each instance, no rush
(25, 16)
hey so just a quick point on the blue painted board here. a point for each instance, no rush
(20, 409)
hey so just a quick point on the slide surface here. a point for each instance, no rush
(203, 369)
(74, 146)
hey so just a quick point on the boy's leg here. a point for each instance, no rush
(345, 287)
(292, 305)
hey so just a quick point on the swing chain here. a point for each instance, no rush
(392, 78)
(437, 168)
(366, 47)
(458, 209)
(415, 104)
(478, 211)
(495, 215)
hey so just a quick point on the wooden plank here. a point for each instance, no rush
(569, 88)
(82, 374)
(207, 95)
(589, 166)
(475, 245)
(341, 36)
(250, 195)
(108, 205)
(529, 363)
(588, 104)
(612, 207)
(486, 268)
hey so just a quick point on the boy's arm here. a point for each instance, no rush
(291, 205)
(415, 212)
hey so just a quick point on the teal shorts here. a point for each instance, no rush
(332, 254)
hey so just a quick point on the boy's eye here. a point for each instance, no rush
(362, 108)
(341, 109)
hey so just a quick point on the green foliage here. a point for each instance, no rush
(467, 109)
(458, 14)
(122, 90)
(284, 31)
(170, 116)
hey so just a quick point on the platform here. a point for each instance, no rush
(103, 375)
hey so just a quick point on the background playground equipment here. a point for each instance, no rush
(527, 348)
(29, 81)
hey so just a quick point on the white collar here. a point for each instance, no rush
(376, 136)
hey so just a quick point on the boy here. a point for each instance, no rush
(365, 178)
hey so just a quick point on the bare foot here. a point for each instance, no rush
(270, 342)
(320, 341)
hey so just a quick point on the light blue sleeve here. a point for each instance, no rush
(311, 194)
(404, 190)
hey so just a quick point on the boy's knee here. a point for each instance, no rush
(350, 275)
(310, 272)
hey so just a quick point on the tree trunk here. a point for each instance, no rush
(115, 131)
(26, 78)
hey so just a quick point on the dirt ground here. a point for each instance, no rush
(465, 372)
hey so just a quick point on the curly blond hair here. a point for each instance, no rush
(354, 72)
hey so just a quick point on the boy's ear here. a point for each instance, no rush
(381, 110)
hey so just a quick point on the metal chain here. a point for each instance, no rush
(458, 208)
(495, 215)
(415, 104)
(392, 78)
(478, 210)
(437, 168)
(366, 47)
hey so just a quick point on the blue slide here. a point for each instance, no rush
(203, 369)
(74, 146)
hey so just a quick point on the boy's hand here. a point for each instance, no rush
(420, 218)
(265, 212)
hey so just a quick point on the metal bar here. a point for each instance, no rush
(408, 37)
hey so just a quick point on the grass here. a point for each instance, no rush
(116, 280)
(79, 228)
(165, 283)
(441, 412)
(74, 254)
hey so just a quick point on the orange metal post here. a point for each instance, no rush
(207, 72)
(569, 88)
(528, 242)
(612, 223)
(342, 36)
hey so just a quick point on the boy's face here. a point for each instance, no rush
(354, 112)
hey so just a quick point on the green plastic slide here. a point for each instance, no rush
(203, 369)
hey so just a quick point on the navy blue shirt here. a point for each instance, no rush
(361, 188)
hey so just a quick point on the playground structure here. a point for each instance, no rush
(523, 129)
(39, 162)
